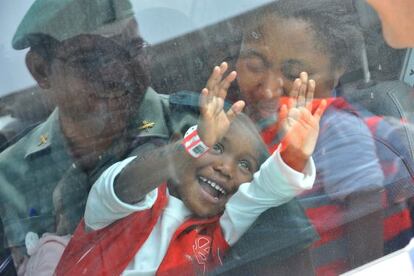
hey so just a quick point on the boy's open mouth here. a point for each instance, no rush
(212, 188)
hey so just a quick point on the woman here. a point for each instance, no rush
(322, 38)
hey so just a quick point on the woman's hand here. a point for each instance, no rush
(299, 124)
(214, 121)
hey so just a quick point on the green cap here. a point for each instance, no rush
(63, 19)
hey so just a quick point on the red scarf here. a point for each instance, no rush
(196, 246)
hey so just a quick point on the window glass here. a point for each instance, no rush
(193, 136)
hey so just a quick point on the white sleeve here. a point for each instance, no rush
(274, 184)
(104, 207)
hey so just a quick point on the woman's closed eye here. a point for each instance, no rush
(255, 62)
(255, 65)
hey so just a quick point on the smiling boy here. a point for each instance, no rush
(144, 227)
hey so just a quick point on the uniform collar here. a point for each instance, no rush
(47, 135)
(150, 120)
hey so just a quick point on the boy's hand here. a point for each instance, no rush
(214, 121)
(299, 124)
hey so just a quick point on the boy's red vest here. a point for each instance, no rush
(196, 246)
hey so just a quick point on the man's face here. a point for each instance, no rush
(219, 173)
(397, 20)
(98, 81)
(270, 61)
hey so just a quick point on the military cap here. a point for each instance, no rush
(63, 19)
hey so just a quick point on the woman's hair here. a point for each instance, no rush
(334, 22)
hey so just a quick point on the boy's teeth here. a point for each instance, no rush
(214, 185)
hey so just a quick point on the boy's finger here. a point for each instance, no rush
(320, 110)
(303, 77)
(203, 100)
(223, 67)
(235, 109)
(214, 78)
(301, 97)
(218, 81)
(294, 92)
(218, 76)
(310, 94)
(303, 89)
(283, 113)
(225, 84)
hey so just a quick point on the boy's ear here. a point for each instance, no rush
(39, 68)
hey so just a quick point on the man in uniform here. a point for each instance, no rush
(88, 58)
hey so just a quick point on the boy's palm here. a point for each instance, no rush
(214, 120)
(299, 124)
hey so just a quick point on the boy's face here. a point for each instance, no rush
(219, 172)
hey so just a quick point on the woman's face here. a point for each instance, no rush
(270, 61)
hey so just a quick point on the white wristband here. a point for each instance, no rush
(193, 144)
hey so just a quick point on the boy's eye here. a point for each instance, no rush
(218, 148)
(245, 165)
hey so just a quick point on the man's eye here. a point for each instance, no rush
(85, 58)
(245, 165)
(218, 148)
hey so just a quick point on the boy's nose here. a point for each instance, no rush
(225, 167)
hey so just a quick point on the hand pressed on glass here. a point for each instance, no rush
(213, 116)
(299, 124)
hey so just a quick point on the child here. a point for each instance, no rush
(182, 217)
